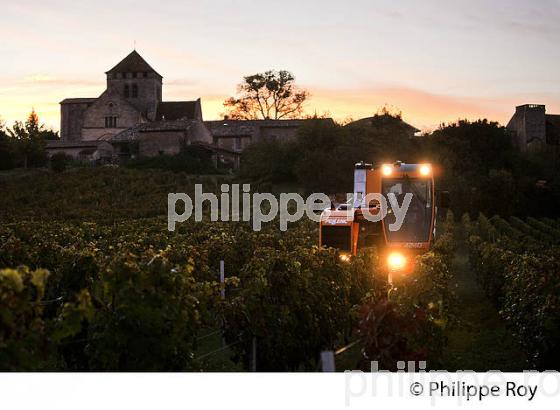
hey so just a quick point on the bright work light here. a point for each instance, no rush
(396, 261)
(387, 170)
(425, 170)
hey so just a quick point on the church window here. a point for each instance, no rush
(134, 91)
(111, 122)
(134, 75)
(145, 75)
(126, 91)
(237, 143)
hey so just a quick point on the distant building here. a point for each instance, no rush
(130, 119)
(236, 135)
(531, 127)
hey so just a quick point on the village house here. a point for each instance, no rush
(236, 135)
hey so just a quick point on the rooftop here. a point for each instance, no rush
(225, 128)
(78, 100)
(176, 110)
(74, 144)
(133, 63)
(130, 134)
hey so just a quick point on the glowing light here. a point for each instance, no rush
(344, 257)
(387, 170)
(425, 170)
(396, 261)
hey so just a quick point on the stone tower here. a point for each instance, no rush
(528, 125)
(138, 83)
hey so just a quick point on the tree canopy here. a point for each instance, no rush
(479, 165)
(23, 145)
(269, 95)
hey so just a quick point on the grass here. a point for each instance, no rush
(479, 339)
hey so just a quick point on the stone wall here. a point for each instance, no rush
(151, 144)
(238, 143)
(71, 120)
(149, 90)
(277, 133)
(528, 126)
(108, 105)
(82, 151)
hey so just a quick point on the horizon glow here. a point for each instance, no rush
(434, 61)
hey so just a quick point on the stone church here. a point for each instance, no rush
(129, 118)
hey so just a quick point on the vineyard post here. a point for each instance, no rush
(222, 294)
(254, 355)
(327, 361)
(222, 280)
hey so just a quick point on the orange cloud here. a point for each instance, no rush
(422, 109)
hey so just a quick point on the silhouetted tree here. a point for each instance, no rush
(29, 140)
(269, 95)
(6, 148)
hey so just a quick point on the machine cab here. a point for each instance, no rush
(346, 229)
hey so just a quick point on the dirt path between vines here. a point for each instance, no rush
(479, 339)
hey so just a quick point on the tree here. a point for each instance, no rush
(269, 95)
(30, 140)
(6, 148)
(269, 161)
(384, 137)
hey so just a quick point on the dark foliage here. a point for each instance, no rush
(59, 161)
(476, 162)
(191, 160)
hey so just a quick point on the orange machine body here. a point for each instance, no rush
(346, 229)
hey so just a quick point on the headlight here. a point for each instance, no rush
(386, 170)
(396, 261)
(425, 170)
(344, 257)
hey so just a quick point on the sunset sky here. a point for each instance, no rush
(436, 61)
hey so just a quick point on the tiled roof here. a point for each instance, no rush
(130, 134)
(74, 144)
(228, 128)
(78, 100)
(176, 110)
(267, 123)
(132, 63)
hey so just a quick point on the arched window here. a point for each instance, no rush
(134, 91)
(126, 91)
